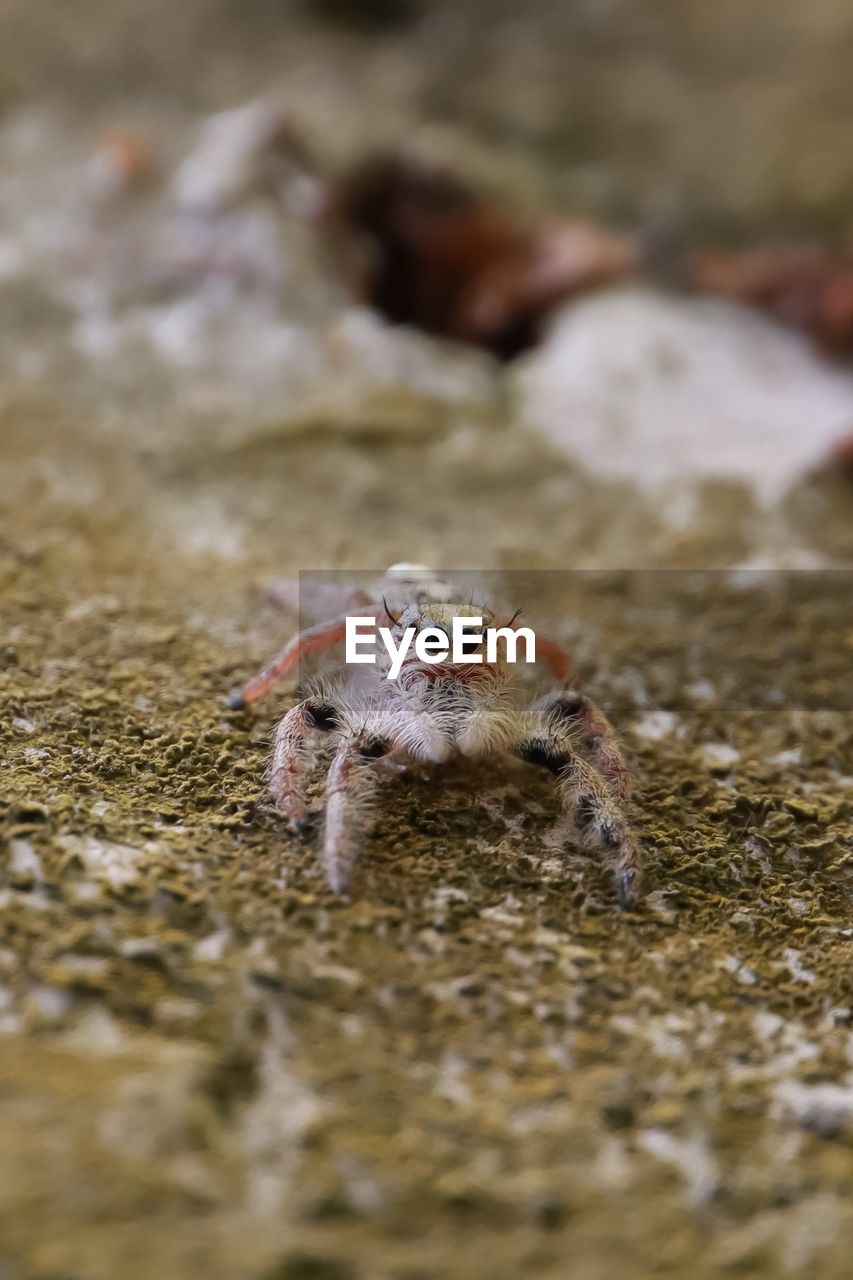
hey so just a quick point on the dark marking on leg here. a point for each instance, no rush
(541, 752)
(569, 708)
(322, 715)
(585, 811)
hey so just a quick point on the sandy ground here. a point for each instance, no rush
(478, 1067)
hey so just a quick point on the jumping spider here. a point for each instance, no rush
(434, 713)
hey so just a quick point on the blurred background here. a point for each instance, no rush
(310, 284)
(210, 213)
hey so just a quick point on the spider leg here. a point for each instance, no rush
(310, 640)
(588, 798)
(350, 789)
(294, 757)
(572, 713)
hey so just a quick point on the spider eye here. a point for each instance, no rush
(432, 626)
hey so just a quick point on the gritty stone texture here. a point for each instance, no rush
(477, 1066)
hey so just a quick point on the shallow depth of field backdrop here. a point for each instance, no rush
(477, 1067)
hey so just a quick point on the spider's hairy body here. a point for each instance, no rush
(430, 714)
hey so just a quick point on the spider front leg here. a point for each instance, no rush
(304, 644)
(294, 757)
(589, 798)
(350, 791)
(572, 713)
(311, 640)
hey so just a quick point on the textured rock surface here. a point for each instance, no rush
(478, 1067)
